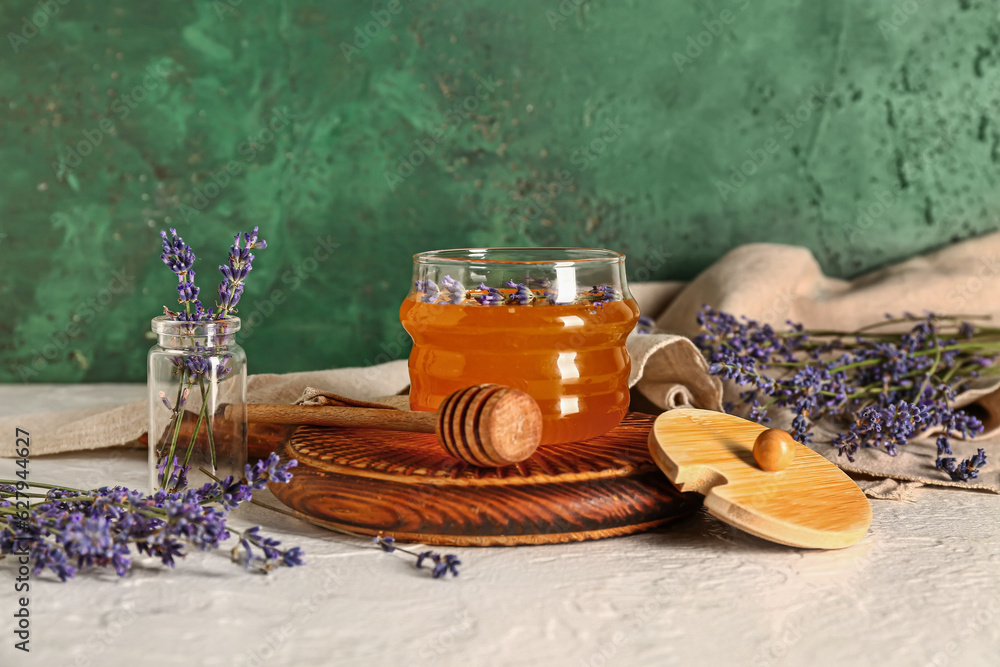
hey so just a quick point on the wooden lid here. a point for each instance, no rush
(811, 503)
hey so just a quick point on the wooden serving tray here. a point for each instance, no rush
(404, 485)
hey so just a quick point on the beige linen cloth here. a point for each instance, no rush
(766, 282)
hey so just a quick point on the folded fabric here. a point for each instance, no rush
(775, 283)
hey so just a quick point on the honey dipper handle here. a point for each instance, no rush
(330, 415)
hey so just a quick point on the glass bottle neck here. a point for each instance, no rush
(194, 342)
(175, 334)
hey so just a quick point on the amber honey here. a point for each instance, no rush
(570, 358)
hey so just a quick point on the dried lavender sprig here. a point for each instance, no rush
(521, 296)
(179, 258)
(893, 386)
(72, 529)
(234, 274)
(492, 296)
(442, 564)
(387, 544)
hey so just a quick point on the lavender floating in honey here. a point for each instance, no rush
(490, 296)
(532, 292)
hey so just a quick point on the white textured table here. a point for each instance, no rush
(922, 589)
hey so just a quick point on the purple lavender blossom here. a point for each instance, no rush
(601, 294)
(178, 477)
(493, 296)
(966, 470)
(453, 292)
(179, 258)
(177, 254)
(645, 325)
(428, 289)
(442, 564)
(889, 387)
(72, 530)
(270, 557)
(521, 296)
(268, 470)
(235, 273)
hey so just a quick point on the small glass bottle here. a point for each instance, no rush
(197, 381)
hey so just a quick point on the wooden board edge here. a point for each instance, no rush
(495, 540)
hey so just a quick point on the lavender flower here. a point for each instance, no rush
(235, 273)
(888, 387)
(493, 296)
(522, 296)
(601, 294)
(179, 258)
(967, 469)
(180, 403)
(268, 470)
(428, 288)
(442, 564)
(72, 530)
(270, 556)
(177, 254)
(453, 292)
(177, 479)
(645, 325)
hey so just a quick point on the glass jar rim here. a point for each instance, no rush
(164, 324)
(480, 255)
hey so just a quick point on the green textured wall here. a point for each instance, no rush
(872, 127)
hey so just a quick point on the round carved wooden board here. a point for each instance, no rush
(403, 484)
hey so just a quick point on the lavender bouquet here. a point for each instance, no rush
(64, 530)
(882, 388)
(209, 357)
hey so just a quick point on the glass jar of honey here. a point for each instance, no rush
(551, 322)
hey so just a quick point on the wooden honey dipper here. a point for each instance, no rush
(485, 425)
